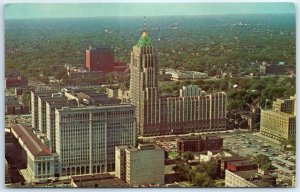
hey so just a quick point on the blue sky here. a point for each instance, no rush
(69, 10)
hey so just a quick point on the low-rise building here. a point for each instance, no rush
(13, 107)
(241, 166)
(41, 164)
(112, 92)
(223, 162)
(98, 180)
(15, 81)
(269, 69)
(249, 178)
(181, 75)
(200, 143)
(213, 155)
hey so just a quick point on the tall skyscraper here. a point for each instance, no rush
(192, 111)
(144, 84)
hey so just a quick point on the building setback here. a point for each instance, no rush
(34, 106)
(86, 137)
(280, 122)
(143, 165)
(51, 105)
(158, 115)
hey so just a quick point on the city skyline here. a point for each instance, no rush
(191, 101)
(87, 10)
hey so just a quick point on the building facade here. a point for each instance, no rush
(143, 165)
(120, 162)
(15, 81)
(280, 122)
(269, 69)
(198, 144)
(158, 115)
(99, 59)
(86, 137)
(34, 106)
(51, 105)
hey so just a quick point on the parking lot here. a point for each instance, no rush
(251, 144)
(244, 143)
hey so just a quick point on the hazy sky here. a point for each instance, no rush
(48, 10)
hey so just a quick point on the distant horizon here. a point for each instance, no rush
(96, 10)
(96, 17)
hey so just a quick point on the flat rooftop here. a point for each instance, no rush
(277, 113)
(99, 180)
(30, 140)
(258, 179)
(91, 107)
(233, 158)
(242, 163)
(146, 146)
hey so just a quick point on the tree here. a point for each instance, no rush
(210, 168)
(187, 156)
(26, 98)
(202, 180)
(263, 161)
(290, 144)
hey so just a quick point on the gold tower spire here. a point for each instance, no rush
(145, 28)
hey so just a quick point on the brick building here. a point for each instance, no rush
(270, 69)
(223, 161)
(99, 59)
(198, 144)
(13, 106)
(241, 166)
(16, 81)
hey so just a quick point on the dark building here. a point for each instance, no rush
(16, 81)
(269, 69)
(235, 163)
(99, 59)
(241, 166)
(98, 180)
(198, 144)
(12, 106)
(212, 142)
(23, 90)
(193, 145)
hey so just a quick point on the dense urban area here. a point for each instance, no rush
(183, 101)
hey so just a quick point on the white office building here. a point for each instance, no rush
(143, 165)
(86, 137)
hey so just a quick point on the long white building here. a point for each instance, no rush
(86, 137)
